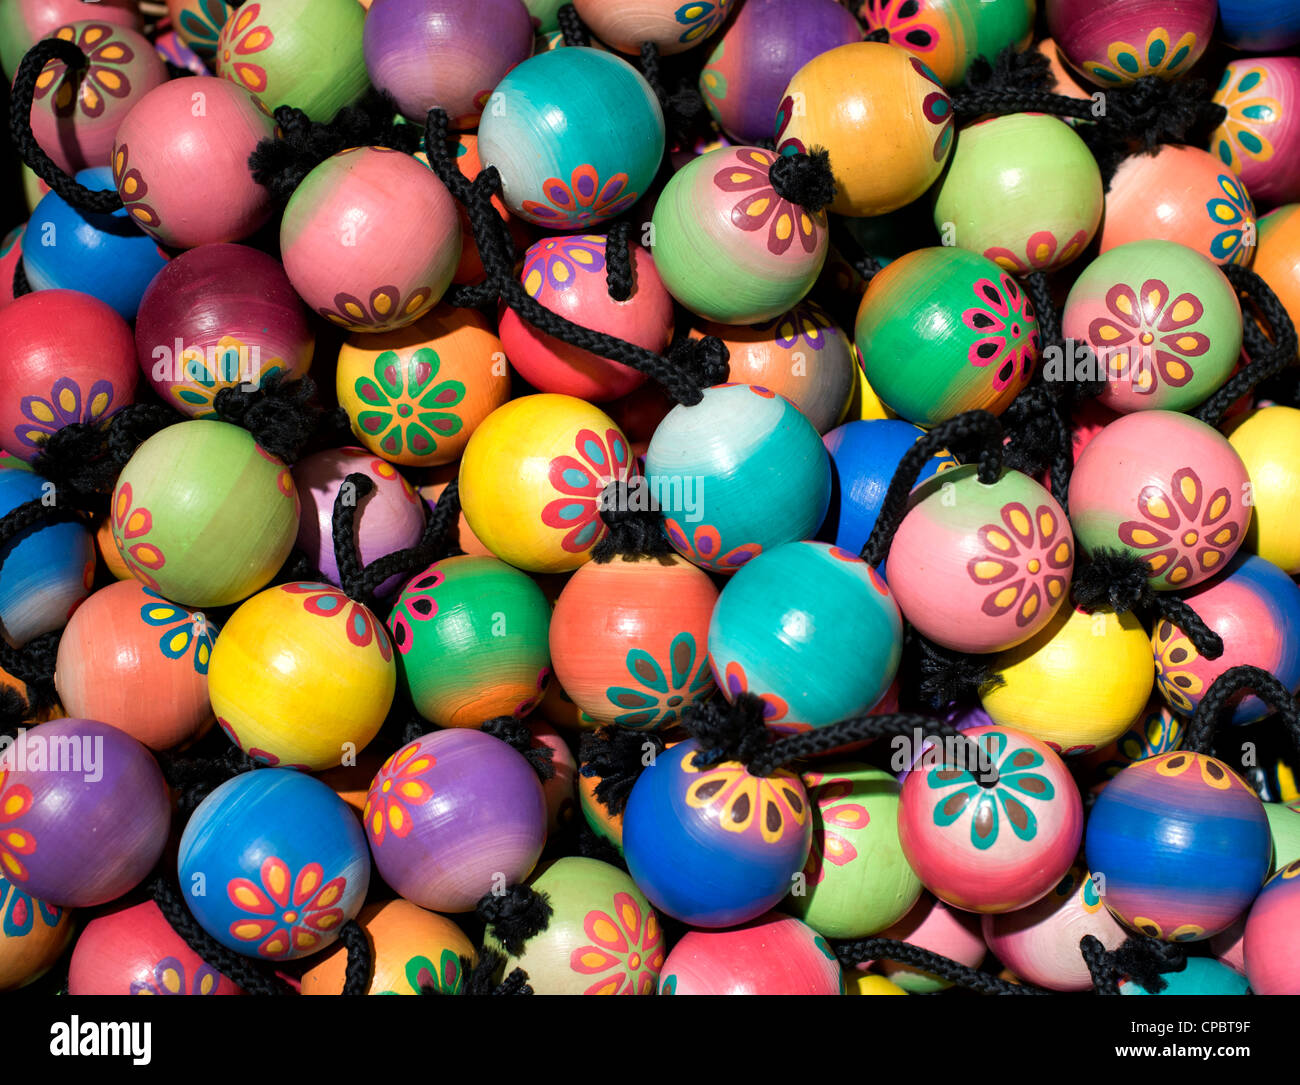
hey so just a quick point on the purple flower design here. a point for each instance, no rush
(45, 417)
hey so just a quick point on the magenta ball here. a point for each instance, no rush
(388, 519)
(773, 955)
(451, 815)
(567, 276)
(215, 317)
(1272, 942)
(445, 54)
(84, 813)
(1117, 42)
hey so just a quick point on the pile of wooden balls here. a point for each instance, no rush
(912, 297)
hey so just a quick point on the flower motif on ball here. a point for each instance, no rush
(417, 604)
(1159, 331)
(556, 261)
(131, 523)
(104, 75)
(761, 207)
(383, 309)
(1188, 932)
(182, 630)
(15, 801)
(242, 37)
(1017, 786)
(398, 786)
(1174, 651)
(1212, 772)
(202, 28)
(286, 912)
(767, 807)
(829, 846)
(584, 199)
(937, 107)
(1042, 252)
(207, 373)
(784, 115)
(169, 979)
(132, 189)
(328, 602)
(733, 682)
(907, 21)
(1236, 214)
(406, 406)
(700, 19)
(19, 911)
(1026, 562)
(45, 417)
(581, 480)
(713, 84)
(625, 949)
(268, 759)
(704, 547)
(1003, 318)
(1249, 110)
(807, 321)
(1180, 519)
(446, 977)
(662, 697)
(1128, 63)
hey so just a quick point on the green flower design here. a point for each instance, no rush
(965, 795)
(660, 702)
(410, 409)
(447, 978)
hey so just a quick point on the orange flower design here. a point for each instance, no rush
(1181, 522)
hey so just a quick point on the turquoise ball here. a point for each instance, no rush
(577, 135)
(1202, 976)
(811, 629)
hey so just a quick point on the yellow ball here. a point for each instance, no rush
(1268, 442)
(1078, 683)
(301, 676)
(531, 477)
(864, 404)
(866, 983)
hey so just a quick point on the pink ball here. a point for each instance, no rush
(772, 955)
(560, 789)
(1259, 139)
(1116, 42)
(932, 925)
(1229, 946)
(389, 518)
(991, 849)
(567, 276)
(1273, 935)
(180, 163)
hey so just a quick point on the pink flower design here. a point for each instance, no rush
(828, 846)
(582, 481)
(626, 949)
(1027, 561)
(1172, 525)
(415, 604)
(1042, 252)
(762, 207)
(909, 23)
(1159, 332)
(1007, 329)
(286, 913)
(254, 752)
(328, 602)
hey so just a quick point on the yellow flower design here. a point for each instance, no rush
(1250, 112)
(1129, 63)
(1174, 653)
(772, 804)
(1213, 771)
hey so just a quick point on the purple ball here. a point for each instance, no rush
(447, 54)
(453, 816)
(84, 812)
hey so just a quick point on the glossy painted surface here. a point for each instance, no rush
(948, 34)
(33, 935)
(673, 26)
(24, 22)
(1260, 137)
(1116, 42)
(772, 955)
(1271, 945)
(1284, 827)
(1268, 442)
(1259, 25)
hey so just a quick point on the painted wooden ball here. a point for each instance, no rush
(771, 955)
(1259, 25)
(1259, 139)
(673, 27)
(714, 846)
(561, 790)
(1182, 844)
(302, 53)
(746, 74)
(25, 22)
(414, 396)
(76, 115)
(414, 952)
(531, 479)
(203, 514)
(85, 812)
(11, 254)
(302, 676)
(966, 326)
(282, 863)
(218, 316)
(388, 519)
(135, 951)
(1275, 256)
(354, 257)
(947, 35)
(981, 568)
(810, 629)
(33, 935)
(64, 357)
(1284, 827)
(198, 24)
(1181, 194)
(800, 355)
(1200, 976)
(1163, 322)
(721, 468)
(1040, 943)
(47, 571)
(1271, 944)
(1268, 442)
(998, 848)
(1078, 683)
(603, 938)
(451, 815)
(883, 116)
(1164, 487)
(577, 135)
(439, 54)
(566, 275)
(1156, 730)
(471, 635)
(1023, 190)
(856, 880)
(1255, 608)
(728, 246)
(1117, 42)
(131, 659)
(864, 456)
(629, 640)
(180, 162)
(933, 925)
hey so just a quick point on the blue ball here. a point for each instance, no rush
(106, 256)
(1202, 976)
(716, 846)
(273, 863)
(1260, 26)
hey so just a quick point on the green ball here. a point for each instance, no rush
(203, 515)
(472, 636)
(1284, 825)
